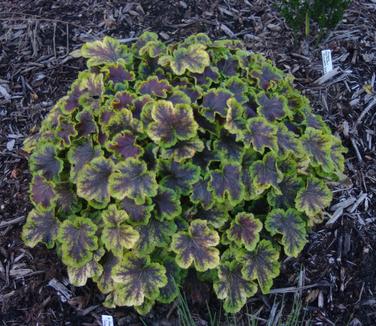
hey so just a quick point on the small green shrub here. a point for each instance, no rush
(326, 13)
(162, 158)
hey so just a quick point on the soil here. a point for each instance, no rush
(335, 276)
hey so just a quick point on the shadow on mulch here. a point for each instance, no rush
(36, 37)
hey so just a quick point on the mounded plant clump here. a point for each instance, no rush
(162, 158)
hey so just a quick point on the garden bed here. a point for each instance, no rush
(335, 276)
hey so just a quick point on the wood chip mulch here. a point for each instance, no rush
(336, 274)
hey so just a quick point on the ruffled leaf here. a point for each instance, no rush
(41, 226)
(215, 102)
(171, 123)
(245, 230)
(116, 234)
(132, 179)
(261, 264)
(79, 241)
(266, 173)
(138, 214)
(108, 50)
(93, 181)
(238, 88)
(153, 49)
(266, 77)
(235, 117)
(123, 100)
(117, 73)
(179, 177)
(155, 234)
(183, 150)
(261, 134)
(44, 160)
(229, 149)
(167, 204)
(314, 197)
(78, 276)
(194, 58)
(196, 246)
(226, 184)
(292, 228)
(65, 131)
(201, 194)
(288, 142)
(86, 124)
(104, 280)
(215, 216)
(317, 146)
(154, 87)
(289, 188)
(174, 274)
(120, 121)
(81, 153)
(124, 144)
(66, 199)
(94, 87)
(42, 192)
(274, 108)
(140, 279)
(210, 75)
(232, 287)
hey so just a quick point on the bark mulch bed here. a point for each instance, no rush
(337, 267)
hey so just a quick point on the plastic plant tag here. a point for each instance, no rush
(107, 320)
(327, 61)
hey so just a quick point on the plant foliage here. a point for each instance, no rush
(163, 158)
(326, 13)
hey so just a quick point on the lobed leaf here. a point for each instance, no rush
(140, 279)
(215, 103)
(155, 234)
(261, 264)
(261, 134)
(245, 230)
(232, 287)
(154, 87)
(314, 197)
(93, 182)
(317, 145)
(201, 193)
(197, 246)
(132, 179)
(167, 204)
(124, 144)
(226, 184)
(81, 153)
(45, 161)
(183, 150)
(266, 173)
(109, 50)
(41, 226)
(42, 192)
(193, 58)
(171, 123)
(274, 108)
(78, 276)
(138, 214)
(117, 235)
(179, 177)
(78, 238)
(292, 228)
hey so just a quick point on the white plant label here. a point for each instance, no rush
(327, 61)
(107, 320)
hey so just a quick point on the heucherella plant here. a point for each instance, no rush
(162, 158)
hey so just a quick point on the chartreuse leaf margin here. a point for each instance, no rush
(165, 158)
